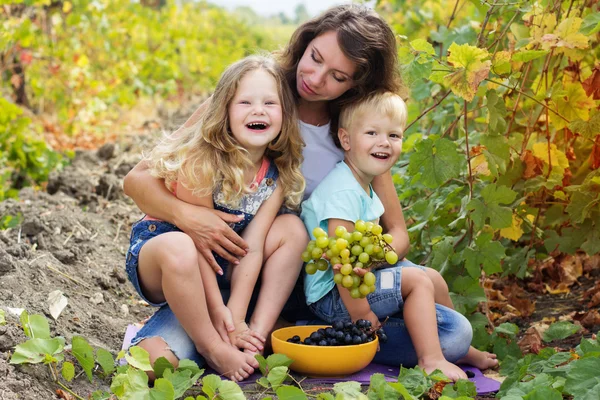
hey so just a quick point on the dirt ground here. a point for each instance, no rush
(73, 238)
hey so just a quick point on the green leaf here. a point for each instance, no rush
(210, 384)
(84, 353)
(278, 360)
(262, 363)
(380, 390)
(496, 112)
(290, 393)
(349, 390)
(544, 393)
(581, 205)
(486, 253)
(398, 387)
(414, 380)
(35, 326)
(560, 330)
(325, 396)
(160, 365)
(181, 381)
(470, 69)
(588, 129)
(2, 318)
(163, 390)
(583, 381)
(497, 153)
(507, 328)
(493, 196)
(462, 387)
(231, 391)
(277, 376)
(189, 365)
(138, 358)
(35, 351)
(100, 395)
(442, 251)
(528, 55)
(264, 382)
(67, 371)
(437, 162)
(590, 24)
(592, 244)
(423, 45)
(106, 361)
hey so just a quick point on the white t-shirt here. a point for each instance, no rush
(320, 155)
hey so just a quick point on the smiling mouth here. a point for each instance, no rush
(307, 88)
(381, 156)
(257, 126)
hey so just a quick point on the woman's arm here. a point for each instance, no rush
(392, 219)
(245, 275)
(357, 308)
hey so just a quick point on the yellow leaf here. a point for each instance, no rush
(479, 165)
(470, 69)
(501, 63)
(83, 61)
(558, 158)
(566, 36)
(514, 232)
(559, 194)
(572, 103)
(67, 6)
(540, 24)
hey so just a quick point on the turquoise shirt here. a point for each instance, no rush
(338, 196)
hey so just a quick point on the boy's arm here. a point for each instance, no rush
(245, 275)
(357, 308)
(392, 219)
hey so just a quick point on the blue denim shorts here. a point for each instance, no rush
(141, 232)
(385, 301)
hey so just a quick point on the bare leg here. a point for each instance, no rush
(475, 357)
(285, 242)
(419, 315)
(168, 270)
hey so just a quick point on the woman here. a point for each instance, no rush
(331, 60)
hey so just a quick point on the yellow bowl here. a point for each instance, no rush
(322, 361)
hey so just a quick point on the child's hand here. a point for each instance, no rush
(245, 338)
(222, 320)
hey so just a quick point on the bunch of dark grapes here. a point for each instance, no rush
(363, 248)
(342, 334)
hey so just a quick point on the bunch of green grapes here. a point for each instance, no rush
(366, 247)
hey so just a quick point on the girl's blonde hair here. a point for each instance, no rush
(207, 154)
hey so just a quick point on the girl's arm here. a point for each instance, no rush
(357, 308)
(208, 229)
(245, 275)
(392, 219)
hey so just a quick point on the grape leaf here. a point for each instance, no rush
(507, 328)
(138, 358)
(423, 45)
(514, 232)
(106, 361)
(277, 376)
(583, 381)
(84, 353)
(290, 393)
(349, 390)
(581, 205)
(470, 69)
(592, 244)
(380, 390)
(493, 196)
(437, 161)
(278, 360)
(590, 24)
(565, 36)
(181, 381)
(35, 326)
(587, 129)
(486, 253)
(572, 103)
(501, 63)
(560, 330)
(162, 390)
(497, 153)
(528, 55)
(161, 365)
(210, 384)
(35, 351)
(67, 371)
(496, 112)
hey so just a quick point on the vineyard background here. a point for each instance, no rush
(499, 174)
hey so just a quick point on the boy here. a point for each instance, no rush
(371, 134)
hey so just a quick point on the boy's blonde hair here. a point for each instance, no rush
(386, 103)
(207, 154)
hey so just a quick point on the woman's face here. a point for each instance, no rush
(324, 72)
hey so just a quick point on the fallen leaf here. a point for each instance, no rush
(571, 269)
(561, 288)
(589, 319)
(64, 395)
(531, 341)
(56, 303)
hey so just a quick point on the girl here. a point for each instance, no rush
(332, 60)
(243, 156)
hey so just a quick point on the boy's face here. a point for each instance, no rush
(373, 143)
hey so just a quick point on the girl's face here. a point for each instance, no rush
(324, 72)
(255, 115)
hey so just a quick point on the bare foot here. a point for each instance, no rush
(230, 362)
(248, 339)
(450, 370)
(480, 359)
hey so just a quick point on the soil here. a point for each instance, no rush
(73, 237)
